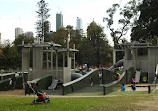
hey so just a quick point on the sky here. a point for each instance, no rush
(22, 13)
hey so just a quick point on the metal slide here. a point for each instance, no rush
(53, 85)
(118, 64)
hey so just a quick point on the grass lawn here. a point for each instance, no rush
(111, 103)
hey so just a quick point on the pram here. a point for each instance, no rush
(42, 96)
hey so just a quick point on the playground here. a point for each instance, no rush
(68, 88)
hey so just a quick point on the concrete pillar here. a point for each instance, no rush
(74, 57)
(56, 62)
(47, 63)
(114, 56)
(67, 72)
(51, 60)
(37, 58)
(25, 58)
(41, 54)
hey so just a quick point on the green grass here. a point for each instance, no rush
(120, 72)
(113, 103)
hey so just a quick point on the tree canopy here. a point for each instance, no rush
(42, 24)
(146, 28)
(128, 14)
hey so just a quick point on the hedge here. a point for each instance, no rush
(82, 82)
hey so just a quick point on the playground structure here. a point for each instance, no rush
(45, 61)
(47, 72)
(142, 57)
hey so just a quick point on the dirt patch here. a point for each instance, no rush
(150, 105)
(19, 92)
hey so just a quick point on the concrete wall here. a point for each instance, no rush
(152, 62)
(37, 58)
(67, 72)
(25, 59)
(146, 63)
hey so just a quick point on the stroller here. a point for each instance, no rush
(42, 96)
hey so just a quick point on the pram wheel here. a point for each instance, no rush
(33, 102)
(43, 102)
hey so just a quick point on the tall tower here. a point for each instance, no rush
(59, 20)
(78, 23)
(18, 31)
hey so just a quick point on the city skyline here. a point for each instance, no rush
(22, 14)
(18, 31)
(79, 23)
(59, 20)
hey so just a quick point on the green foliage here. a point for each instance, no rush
(94, 49)
(42, 23)
(60, 36)
(10, 58)
(128, 13)
(146, 27)
(22, 37)
(114, 103)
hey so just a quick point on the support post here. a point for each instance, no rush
(74, 58)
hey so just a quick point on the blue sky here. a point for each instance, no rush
(21, 13)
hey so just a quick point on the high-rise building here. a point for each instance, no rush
(78, 23)
(18, 31)
(59, 20)
(28, 34)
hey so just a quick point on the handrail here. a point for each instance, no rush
(76, 80)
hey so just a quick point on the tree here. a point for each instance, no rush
(60, 36)
(146, 28)
(20, 39)
(10, 58)
(42, 23)
(93, 50)
(128, 15)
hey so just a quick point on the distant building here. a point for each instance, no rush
(59, 21)
(78, 23)
(28, 34)
(18, 31)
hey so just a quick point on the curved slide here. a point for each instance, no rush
(118, 64)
